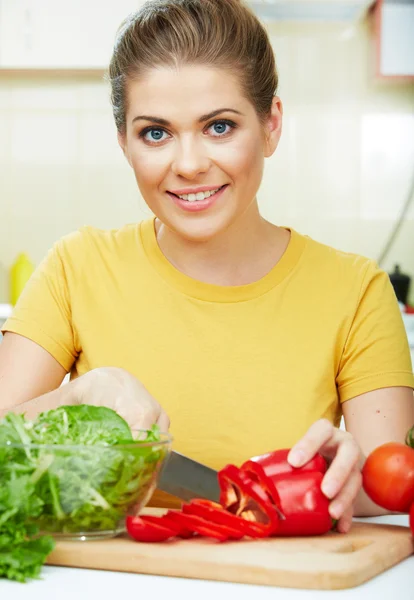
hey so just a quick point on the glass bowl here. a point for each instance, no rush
(85, 492)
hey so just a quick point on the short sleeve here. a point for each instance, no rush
(376, 352)
(43, 311)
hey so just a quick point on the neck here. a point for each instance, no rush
(241, 254)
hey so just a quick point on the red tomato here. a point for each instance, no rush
(388, 476)
(412, 518)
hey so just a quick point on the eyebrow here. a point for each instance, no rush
(202, 119)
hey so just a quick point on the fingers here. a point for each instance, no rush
(345, 522)
(163, 422)
(345, 462)
(317, 436)
(343, 480)
(344, 500)
(150, 416)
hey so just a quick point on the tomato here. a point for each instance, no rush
(412, 518)
(144, 529)
(388, 476)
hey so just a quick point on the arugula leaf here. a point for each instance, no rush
(74, 469)
(81, 424)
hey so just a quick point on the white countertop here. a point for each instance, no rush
(63, 583)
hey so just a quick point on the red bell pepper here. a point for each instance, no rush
(266, 496)
(305, 507)
(143, 529)
(274, 464)
(215, 513)
(164, 520)
(295, 490)
(233, 530)
(244, 497)
(202, 526)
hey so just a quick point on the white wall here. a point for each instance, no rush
(341, 173)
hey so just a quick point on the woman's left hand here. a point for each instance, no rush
(343, 480)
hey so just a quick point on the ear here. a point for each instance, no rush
(273, 127)
(123, 143)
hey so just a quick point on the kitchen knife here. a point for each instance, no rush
(186, 479)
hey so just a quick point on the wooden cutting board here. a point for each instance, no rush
(332, 561)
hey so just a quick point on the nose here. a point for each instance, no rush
(190, 158)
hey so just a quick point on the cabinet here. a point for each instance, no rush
(56, 34)
(394, 39)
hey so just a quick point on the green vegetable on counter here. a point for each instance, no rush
(75, 469)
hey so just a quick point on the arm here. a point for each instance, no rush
(374, 418)
(30, 376)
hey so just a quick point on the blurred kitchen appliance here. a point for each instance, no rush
(401, 284)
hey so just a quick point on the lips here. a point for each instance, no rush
(193, 204)
(195, 190)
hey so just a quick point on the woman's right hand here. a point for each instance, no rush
(118, 389)
(30, 383)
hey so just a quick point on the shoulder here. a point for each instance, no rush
(91, 240)
(337, 265)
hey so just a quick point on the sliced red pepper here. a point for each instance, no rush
(232, 529)
(212, 511)
(200, 526)
(305, 507)
(244, 497)
(143, 529)
(164, 521)
(412, 518)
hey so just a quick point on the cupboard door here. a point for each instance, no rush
(56, 34)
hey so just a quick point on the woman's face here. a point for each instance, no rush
(197, 147)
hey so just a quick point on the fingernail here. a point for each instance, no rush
(329, 489)
(344, 526)
(296, 458)
(335, 510)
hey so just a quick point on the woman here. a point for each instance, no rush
(248, 336)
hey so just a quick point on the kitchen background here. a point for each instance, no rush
(342, 173)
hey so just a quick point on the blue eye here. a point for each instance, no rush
(153, 135)
(221, 128)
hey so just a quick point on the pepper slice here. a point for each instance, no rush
(200, 526)
(164, 521)
(243, 496)
(229, 523)
(143, 529)
(216, 513)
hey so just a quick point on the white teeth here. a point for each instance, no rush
(198, 196)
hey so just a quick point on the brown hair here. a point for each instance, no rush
(219, 33)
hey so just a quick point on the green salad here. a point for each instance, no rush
(74, 469)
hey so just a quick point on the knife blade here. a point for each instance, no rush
(186, 479)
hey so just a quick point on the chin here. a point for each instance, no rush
(197, 228)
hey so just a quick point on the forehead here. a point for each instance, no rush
(184, 93)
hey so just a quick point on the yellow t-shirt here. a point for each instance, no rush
(240, 370)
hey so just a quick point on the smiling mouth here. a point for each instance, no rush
(198, 195)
